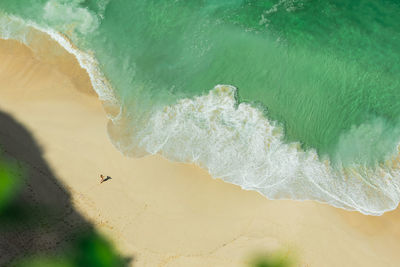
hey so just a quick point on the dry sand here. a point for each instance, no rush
(172, 214)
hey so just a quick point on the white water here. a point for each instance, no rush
(239, 145)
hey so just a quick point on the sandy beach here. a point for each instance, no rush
(171, 214)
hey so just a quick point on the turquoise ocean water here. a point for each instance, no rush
(294, 99)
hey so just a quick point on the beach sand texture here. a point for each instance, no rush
(171, 214)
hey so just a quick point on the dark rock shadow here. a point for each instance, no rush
(41, 219)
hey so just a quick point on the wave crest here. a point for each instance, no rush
(236, 143)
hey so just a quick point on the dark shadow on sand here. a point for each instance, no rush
(106, 179)
(41, 219)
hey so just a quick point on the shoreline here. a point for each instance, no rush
(51, 46)
(172, 214)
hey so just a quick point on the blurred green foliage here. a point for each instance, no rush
(10, 180)
(45, 262)
(93, 250)
(89, 250)
(271, 260)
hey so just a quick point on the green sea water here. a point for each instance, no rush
(324, 73)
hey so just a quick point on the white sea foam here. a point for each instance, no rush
(12, 29)
(62, 15)
(288, 5)
(239, 145)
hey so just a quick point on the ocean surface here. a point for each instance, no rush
(294, 99)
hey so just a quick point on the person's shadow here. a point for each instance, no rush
(106, 179)
(41, 219)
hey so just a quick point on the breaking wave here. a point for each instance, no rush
(236, 143)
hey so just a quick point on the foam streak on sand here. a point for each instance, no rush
(15, 28)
